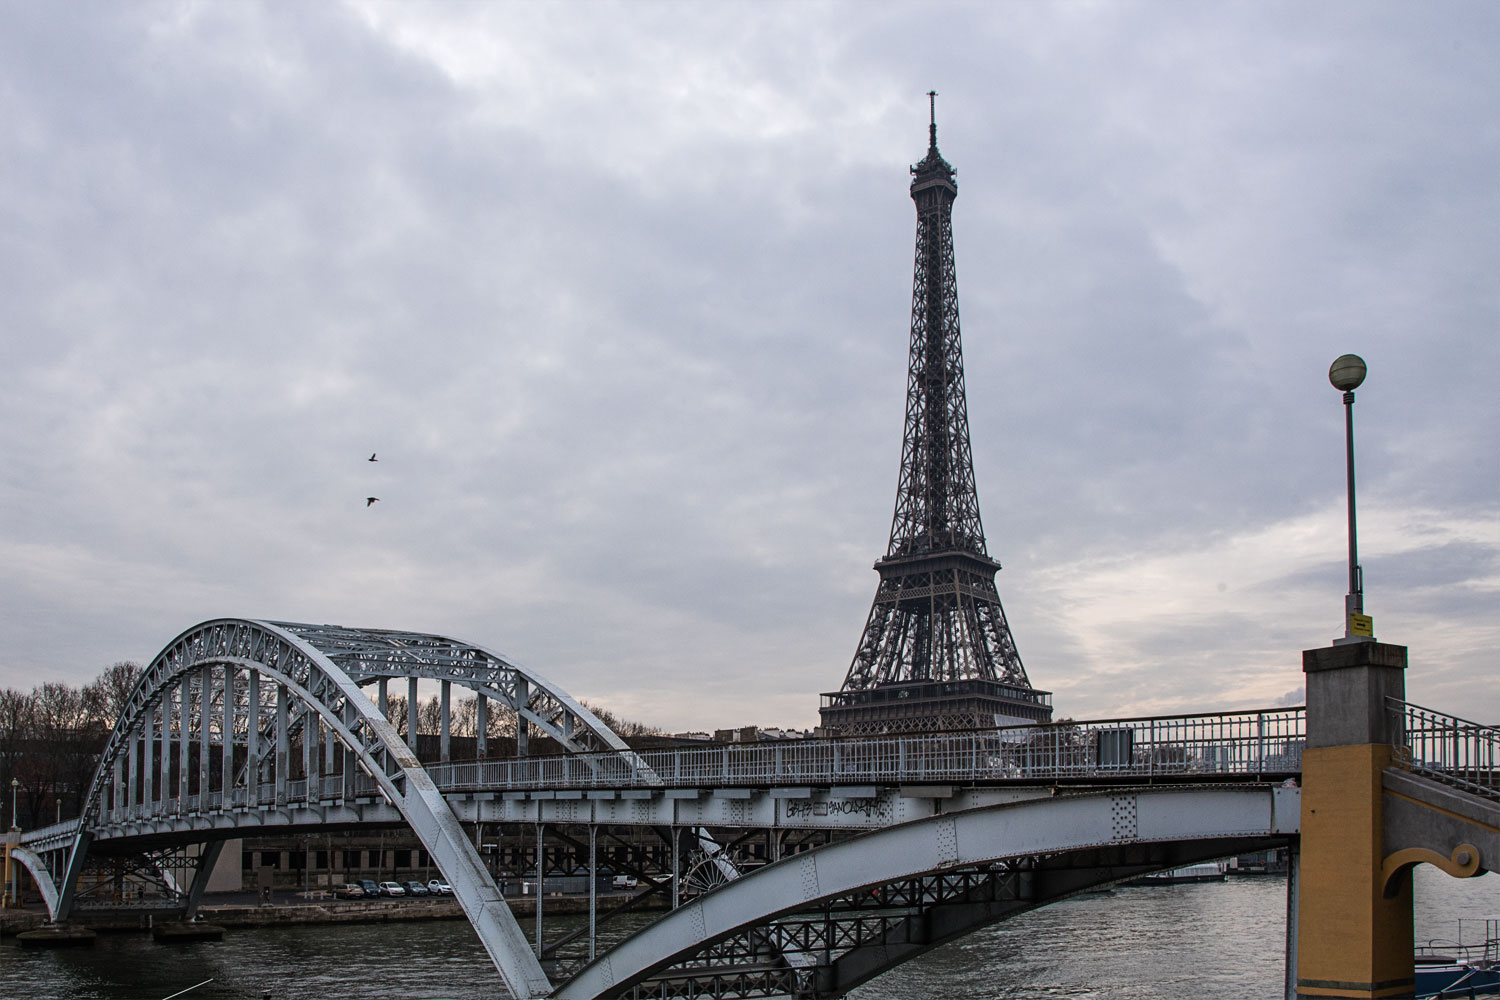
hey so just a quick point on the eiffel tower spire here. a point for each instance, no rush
(936, 652)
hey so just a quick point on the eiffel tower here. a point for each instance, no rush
(936, 653)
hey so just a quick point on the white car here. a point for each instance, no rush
(391, 889)
(439, 888)
(624, 882)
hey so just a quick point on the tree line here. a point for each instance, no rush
(463, 718)
(50, 741)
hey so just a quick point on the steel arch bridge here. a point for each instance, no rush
(238, 691)
(270, 727)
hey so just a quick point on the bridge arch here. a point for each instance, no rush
(206, 689)
(370, 656)
(34, 864)
(953, 873)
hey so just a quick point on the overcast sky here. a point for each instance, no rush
(620, 295)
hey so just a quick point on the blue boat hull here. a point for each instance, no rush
(1456, 981)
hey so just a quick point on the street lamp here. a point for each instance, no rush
(1346, 374)
(15, 818)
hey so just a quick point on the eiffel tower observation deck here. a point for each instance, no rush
(936, 653)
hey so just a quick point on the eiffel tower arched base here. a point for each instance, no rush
(925, 706)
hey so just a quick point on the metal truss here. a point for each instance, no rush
(936, 616)
(229, 695)
(371, 655)
(167, 873)
(847, 940)
(804, 953)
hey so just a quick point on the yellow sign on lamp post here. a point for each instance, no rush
(1361, 625)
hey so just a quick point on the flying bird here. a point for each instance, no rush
(372, 458)
(370, 500)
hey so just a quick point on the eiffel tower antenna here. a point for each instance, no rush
(936, 653)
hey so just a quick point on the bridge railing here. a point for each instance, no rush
(1243, 743)
(1250, 744)
(52, 837)
(1447, 748)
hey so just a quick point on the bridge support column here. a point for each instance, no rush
(252, 740)
(309, 755)
(184, 740)
(541, 879)
(283, 745)
(676, 867)
(116, 800)
(329, 743)
(226, 741)
(133, 771)
(593, 887)
(164, 783)
(482, 726)
(205, 710)
(148, 746)
(208, 857)
(412, 705)
(1352, 941)
(349, 766)
(444, 723)
(523, 726)
(1293, 894)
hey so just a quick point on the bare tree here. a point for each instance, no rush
(111, 691)
(500, 723)
(464, 717)
(429, 715)
(16, 710)
(622, 727)
(66, 737)
(395, 713)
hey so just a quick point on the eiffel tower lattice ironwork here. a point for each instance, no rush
(936, 653)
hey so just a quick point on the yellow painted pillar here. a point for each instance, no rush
(1351, 940)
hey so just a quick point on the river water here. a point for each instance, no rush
(1219, 940)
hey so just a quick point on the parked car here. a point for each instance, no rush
(371, 889)
(349, 890)
(391, 889)
(414, 888)
(624, 882)
(439, 888)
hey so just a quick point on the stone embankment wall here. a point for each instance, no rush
(331, 911)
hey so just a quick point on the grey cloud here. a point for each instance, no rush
(625, 311)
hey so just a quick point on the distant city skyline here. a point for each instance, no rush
(620, 295)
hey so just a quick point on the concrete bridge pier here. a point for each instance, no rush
(1352, 939)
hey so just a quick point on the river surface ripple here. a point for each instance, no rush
(1223, 940)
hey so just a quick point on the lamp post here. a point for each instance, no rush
(15, 818)
(1346, 374)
